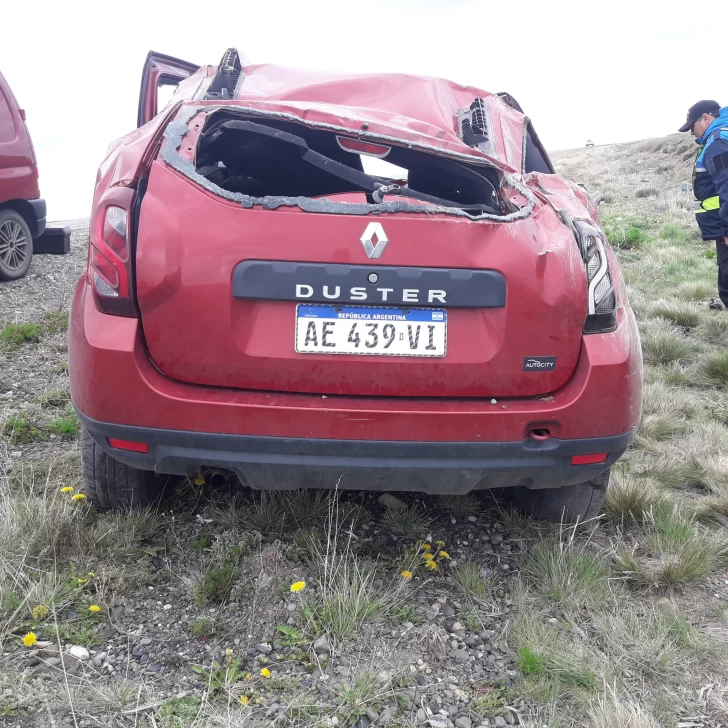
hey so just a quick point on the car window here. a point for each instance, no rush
(536, 159)
(7, 125)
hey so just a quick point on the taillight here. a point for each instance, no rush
(110, 253)
(602, 299)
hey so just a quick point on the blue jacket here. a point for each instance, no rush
(710, 179)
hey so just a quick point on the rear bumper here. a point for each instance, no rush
(280, 463)
(275, 439)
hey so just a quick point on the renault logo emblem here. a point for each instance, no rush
(374, 240)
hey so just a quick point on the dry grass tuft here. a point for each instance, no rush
(664, 346)
(713, 369)
(610, 711)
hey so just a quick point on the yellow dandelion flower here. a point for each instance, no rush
(244, 699)
(94, 608)
(444, 554)
(265, 672)
(81, 581)
(78, 497)
(30, 639)
(298, 586)
(426, 547)
(427, 556)
(406, 575)
(39, 611)
(67, 489)
(439, 544)
(91, 574)
(229, 652)
(200, 479)
(431, 565)
(248, 677)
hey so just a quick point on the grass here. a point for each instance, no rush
(20, 430)
(685, 315)
(713, 369)
(460, 506)
(675, 233)
(409, 521)
(470, 581)
(201, 627)
(567, 573)
(665, 346)
(66, 426)
(13, 335)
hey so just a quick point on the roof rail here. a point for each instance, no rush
(227, 76)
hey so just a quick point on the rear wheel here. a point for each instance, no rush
(108, 483)
(570, 503)
(16, 246)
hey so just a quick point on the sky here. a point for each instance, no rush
(606, 71)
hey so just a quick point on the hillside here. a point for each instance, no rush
(619, 623)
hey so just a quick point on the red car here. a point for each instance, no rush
(22, 211)
(373, 282)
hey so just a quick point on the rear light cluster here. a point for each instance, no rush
(602, 300)
(110, 253)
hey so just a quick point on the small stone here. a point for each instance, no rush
(472, 519)
(145, 642)
(553, 620)
(372, 715)
(510, 718)
(463, 722)
(461, 655)
(292, 621)
(291, 607)
(321, 646)
(391, 501)
(53, 661)
(153, 667)
(32, 662)
(264, 648)
(500, 722)
(97, 661)
(421, 715)
(167, 606)
(80, 653)
(447, 610)
(363, 722)
(457, 626)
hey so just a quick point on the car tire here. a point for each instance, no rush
(107, 483)
(16, 246)
(568, 504)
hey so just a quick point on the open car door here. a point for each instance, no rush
(160, 72)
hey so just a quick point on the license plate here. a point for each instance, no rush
(370, 330)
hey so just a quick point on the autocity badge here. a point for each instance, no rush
(539, 363)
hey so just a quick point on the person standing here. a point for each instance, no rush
(708, 123)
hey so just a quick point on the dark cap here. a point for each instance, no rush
(697, 110)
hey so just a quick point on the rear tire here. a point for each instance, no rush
(16, 246)
(108, 483)
(568, 504)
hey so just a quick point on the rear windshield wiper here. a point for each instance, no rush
(377, 186)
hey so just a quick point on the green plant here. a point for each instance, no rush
(528, 662)
(681, 315)
(66, 426)
(54, 398)
(290, 635)
(20, 430)
(491, 700)
(220, 679)
(15, 334)
(217, 579)
(673, 232)
(179, 712)
(201, 627)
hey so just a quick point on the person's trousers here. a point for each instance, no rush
(722, 249)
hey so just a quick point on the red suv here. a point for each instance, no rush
(22, 211)
(378, 282)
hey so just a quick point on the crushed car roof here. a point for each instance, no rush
(417, 110)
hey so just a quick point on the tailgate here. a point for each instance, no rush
(229, 295)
